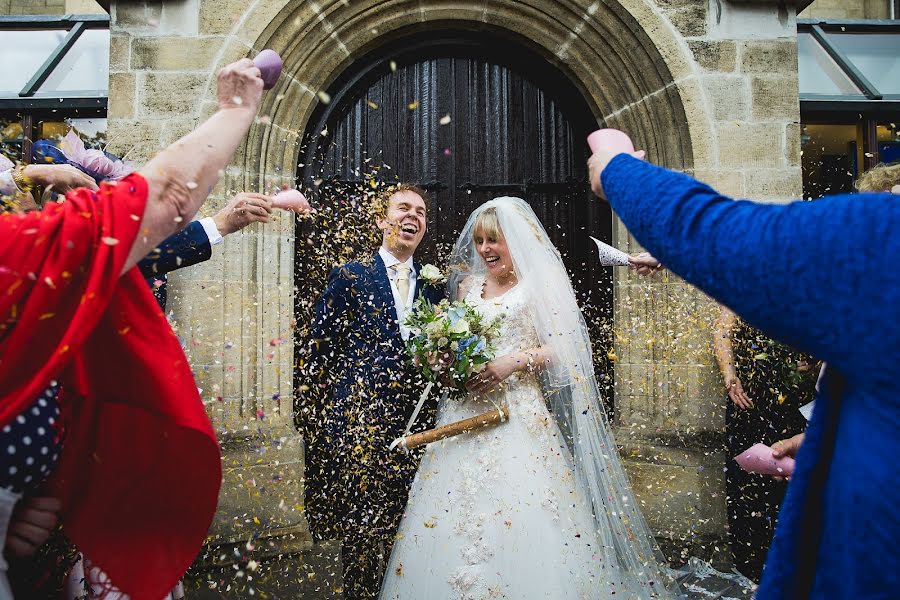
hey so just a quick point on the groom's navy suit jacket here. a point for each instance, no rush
(357, 348)
(183, 249)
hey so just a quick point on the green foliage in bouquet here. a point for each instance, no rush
(449, 342)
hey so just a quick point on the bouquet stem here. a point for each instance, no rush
(488, 419)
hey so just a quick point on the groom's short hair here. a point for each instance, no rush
(382, 199)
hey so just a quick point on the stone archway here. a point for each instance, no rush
(634, 71)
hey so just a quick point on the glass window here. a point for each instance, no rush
(877, 55)
(11, 136)
(819, 74)
(85, 67)
(92, 131)
(23, 54)
(829, 158)
(888, 142)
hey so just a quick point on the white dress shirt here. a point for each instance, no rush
(403, 305)
(212, 232)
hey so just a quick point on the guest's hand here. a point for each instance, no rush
(61, 178)
(240, 86)
(896, 190)
(737, 394)
(32, 521)
(788, 447)
(644, 263)
(244, 208)
(496, 372)
(598, 162)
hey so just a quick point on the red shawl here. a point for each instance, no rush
(140, 470)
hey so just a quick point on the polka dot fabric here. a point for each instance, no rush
(30, 444)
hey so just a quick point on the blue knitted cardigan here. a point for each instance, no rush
(821, 276)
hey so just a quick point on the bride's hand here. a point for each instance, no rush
(495, 373)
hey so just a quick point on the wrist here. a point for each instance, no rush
(26, 177)
(221, 223)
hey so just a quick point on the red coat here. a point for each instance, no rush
(140, 471)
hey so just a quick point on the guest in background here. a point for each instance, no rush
(766, 383)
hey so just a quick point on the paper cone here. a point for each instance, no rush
(758, 459)
(609, 256)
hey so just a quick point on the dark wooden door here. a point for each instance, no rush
(468, 118)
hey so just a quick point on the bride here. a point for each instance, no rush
(539, 506)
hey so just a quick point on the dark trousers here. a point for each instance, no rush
(753, 500)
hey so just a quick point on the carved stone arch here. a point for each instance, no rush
(624, 56)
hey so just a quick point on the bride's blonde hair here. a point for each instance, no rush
(487, 224)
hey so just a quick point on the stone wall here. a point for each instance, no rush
(710, 91)
(847, 9)
(49, 7)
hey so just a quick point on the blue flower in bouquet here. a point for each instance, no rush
(455, 314)
(481, 346)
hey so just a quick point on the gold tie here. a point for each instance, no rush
(402, 282)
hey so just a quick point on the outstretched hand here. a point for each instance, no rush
(644, 263)
(244, 208)
(61, 178)
(737, 394)
(598, 162)
(240, 85)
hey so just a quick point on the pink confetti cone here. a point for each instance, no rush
(758, 459)
(610, 139)
(269, 64)
(291, 200)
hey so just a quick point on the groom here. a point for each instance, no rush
(363, 394)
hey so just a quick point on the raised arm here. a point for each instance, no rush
(181, 177)
(805, 272)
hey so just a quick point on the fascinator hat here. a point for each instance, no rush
(98, 164)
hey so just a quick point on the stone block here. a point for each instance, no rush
(174, 53)
(135, 140)
(170, 94)
(793, 150)
(719, 56)
(750, 145)
(774, 184)
(119, 52)
(729, 97)
(220, 16)
(769, 56)
(776, 98)
(140, 15)
(690, 20)
(122, 89)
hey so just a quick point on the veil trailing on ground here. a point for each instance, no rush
(570, 385)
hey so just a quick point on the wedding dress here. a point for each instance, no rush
(498, 513)
(539, 506)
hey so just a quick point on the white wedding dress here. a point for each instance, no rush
(499, 513)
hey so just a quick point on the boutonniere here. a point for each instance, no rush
(430, 274)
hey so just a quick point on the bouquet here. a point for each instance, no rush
(449, 342)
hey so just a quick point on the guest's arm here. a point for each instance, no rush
(181, 177)
(806, 272)
(183, 249)
(723, 330)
